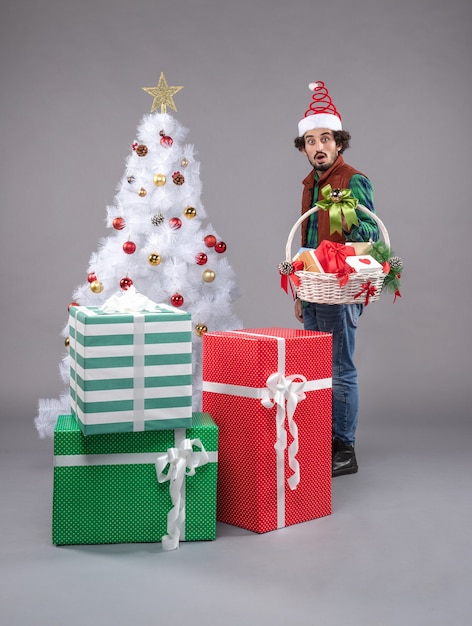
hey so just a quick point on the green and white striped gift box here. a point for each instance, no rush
(130, 371)
(107, 489)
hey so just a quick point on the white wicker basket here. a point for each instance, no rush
(325, 288)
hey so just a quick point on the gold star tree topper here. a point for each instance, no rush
(162, 94)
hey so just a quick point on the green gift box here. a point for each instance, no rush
(130, 371)
(146, 486)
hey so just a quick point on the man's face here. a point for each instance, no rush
(320, 148)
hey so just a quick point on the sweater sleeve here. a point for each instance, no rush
(367, 229)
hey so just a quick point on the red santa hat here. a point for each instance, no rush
(321, 113)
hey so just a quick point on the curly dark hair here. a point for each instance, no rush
(341, 137)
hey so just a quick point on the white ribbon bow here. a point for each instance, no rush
(182, 462)
(129, 301)
(281, 389)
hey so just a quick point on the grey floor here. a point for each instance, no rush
(395, 552)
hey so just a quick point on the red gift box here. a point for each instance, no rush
(269, 392)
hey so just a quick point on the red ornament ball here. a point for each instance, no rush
(210, 241)
(125, 283)
(72, 304)
(201, 258)
(177, 300)
(166, 141)
(129, 247)
(175, 223)
(220, 247)
(118, 223)
(91, 277)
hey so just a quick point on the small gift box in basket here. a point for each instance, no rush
(346, 285)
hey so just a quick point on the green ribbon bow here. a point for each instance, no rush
(339, 202)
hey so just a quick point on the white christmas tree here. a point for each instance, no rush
(160, 242)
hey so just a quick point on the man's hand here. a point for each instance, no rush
(298, 310)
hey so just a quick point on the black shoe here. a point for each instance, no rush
(344, 459)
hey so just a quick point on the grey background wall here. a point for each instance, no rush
(399, 72)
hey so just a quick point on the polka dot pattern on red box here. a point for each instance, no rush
(247, 479)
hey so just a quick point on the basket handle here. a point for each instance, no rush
(288, 247)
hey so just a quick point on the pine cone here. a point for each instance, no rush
(157, 219)
(178, 178)
(396, 264)
(141, 150)
(285, 267)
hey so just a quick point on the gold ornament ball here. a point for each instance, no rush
(142, 192)
(184, 162)
(159, 180)
(190, 212)
(208, 276)
(67, 342)
(201, 329)
(154, 258)
(96, 286)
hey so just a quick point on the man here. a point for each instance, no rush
(322, 139)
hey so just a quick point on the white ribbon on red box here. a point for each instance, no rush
(281, 390)
(284, 392)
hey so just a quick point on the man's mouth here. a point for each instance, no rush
(320, 156)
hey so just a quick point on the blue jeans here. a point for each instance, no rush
(341, 320)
